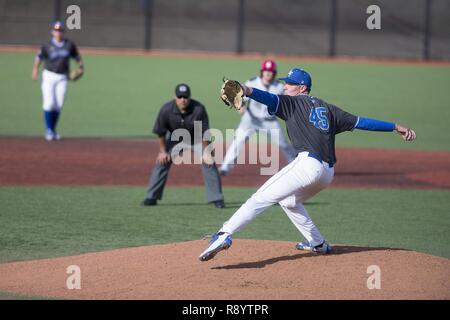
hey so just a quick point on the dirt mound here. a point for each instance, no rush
(249, 270)
(33, 161)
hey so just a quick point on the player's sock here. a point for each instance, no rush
(48, 120)
(55, 118)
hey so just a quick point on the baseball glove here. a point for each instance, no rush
(76, 74)
(231, 93)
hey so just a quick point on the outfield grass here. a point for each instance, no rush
(120, 96)
(57, 221)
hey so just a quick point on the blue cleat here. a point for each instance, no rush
(220, 241)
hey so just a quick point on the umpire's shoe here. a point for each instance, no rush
(220, 241)
(149, 202)
(219, 204)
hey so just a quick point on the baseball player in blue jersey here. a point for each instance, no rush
(312, 125)
(256, 118)
(55, 55)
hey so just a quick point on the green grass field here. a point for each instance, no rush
(120, 97)
(40, 222)
(13, 296)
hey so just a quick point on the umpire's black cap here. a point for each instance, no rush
(183, 90)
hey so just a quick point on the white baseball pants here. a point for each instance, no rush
(54, 87)
(297, 182)
(246, 128)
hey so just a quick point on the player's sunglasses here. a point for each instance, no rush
(182, 97)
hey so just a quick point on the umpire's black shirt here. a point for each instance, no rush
(313, 123)
(171, 118)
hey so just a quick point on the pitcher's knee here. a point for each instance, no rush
(289, 202)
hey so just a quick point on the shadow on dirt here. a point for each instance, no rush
(337, 250)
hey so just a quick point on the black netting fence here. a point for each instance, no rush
(409, 28)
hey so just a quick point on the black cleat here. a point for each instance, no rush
(148, 202)
(223, 173)
(219, 204)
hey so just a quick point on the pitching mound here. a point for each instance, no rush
(249, 270)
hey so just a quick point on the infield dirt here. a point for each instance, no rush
(248, 270)
(26, 161)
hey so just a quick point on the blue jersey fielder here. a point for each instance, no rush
(55, 55)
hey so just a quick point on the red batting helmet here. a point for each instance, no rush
(269, 65)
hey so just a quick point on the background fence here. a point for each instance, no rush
(416, 29)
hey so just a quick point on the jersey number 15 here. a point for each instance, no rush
(319, 118)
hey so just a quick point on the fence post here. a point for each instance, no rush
(148, 24)
(240, 27)
(427, 30)
(56, 10)
(333, 26)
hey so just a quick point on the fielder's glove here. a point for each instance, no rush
(231, 93)
(76, 74)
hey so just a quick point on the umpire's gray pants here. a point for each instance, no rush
(211, 178)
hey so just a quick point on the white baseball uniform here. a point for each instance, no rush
(54, 87)
(256, 117)
(56, 56)
(297, 182)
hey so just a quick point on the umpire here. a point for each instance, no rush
(180, 113)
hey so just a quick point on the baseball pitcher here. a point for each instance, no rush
(312, 125)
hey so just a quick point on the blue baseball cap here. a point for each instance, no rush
(58, 25)
(298, 77)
